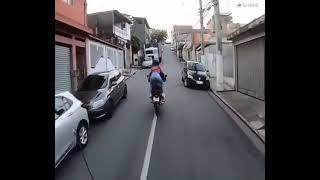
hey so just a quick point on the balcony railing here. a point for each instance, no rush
(125, 33)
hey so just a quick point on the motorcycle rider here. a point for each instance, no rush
(156, 78)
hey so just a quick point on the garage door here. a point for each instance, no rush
(250, 58)
(62, 69)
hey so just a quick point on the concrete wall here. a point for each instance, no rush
(228, 60)
(138, 30)
(227, 53)
(76, 12)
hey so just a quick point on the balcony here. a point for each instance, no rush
(123, 33)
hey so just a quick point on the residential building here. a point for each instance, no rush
(249, 55)
(194, 40)
(180, 35)
(139, 28)
(226, 23)
(71, 32)
(113, 27)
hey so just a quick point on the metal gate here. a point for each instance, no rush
(62, 69)
(250, 60)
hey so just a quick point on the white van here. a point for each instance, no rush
(150, 54)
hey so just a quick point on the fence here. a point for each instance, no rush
(96, 50)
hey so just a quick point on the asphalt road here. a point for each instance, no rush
(193, 139)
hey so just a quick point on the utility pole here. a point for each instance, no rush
(219, 58)
(201, 28)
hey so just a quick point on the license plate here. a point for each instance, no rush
(156, 99)
(199, 82)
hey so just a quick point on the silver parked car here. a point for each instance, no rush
(71, 125)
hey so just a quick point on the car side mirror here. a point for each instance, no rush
(60, 112)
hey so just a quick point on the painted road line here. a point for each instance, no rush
(145, 168)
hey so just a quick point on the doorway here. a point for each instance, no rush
(81, 64)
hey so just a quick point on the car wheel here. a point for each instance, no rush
(82, 135)
(125, 92)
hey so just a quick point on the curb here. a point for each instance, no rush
(244, 125)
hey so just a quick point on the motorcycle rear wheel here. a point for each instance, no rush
(156, 108)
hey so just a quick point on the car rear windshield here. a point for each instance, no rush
(92, 82)
(196, 67)
(149, 52)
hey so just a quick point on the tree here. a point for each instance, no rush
(159, 35)
(135, 44)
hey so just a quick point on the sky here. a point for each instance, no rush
(163, 14)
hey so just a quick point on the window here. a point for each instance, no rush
(95, 53)
(117, 77)
(190, 65)
(58, 104)
(62, 103)
(196, 67)
(114, 79)
(67, 102)
(69, 2)
(92, 82)
(149, 52)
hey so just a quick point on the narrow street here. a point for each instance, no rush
(194, 138)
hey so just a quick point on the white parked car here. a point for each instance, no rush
(71, 125)
(147, 62)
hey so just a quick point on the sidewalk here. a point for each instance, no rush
(252, 109)
(249, 109)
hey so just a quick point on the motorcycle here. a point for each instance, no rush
(157, 97)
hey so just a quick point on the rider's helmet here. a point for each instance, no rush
(155, 62)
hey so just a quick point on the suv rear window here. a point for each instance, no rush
(149, 52)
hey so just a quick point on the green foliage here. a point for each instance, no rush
(135, 44)
(159, 35)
